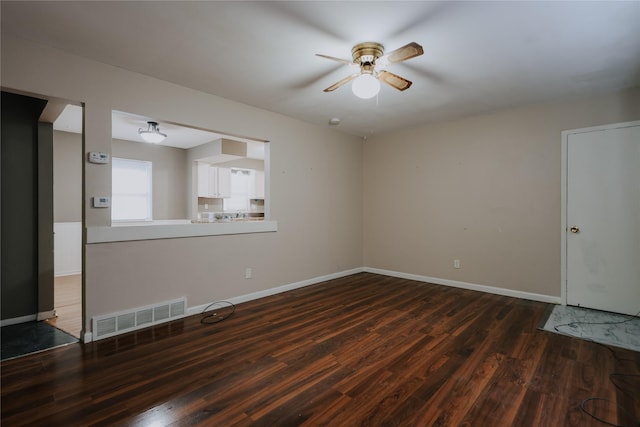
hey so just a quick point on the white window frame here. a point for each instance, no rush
(148, 194)
(245, 200)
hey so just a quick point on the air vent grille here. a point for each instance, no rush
(137, 318)
(177, 309)
(144, 316)
(105, 326)
(126, 321)
(161, 312)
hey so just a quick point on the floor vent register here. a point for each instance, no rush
(126, 321)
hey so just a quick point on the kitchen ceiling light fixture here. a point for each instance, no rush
(152, 134)
(365, 86)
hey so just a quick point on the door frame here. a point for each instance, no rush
(84, 335)
(564, 189)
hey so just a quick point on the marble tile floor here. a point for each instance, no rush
(606, 328)
(31, 337)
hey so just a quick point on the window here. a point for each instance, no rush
(131, 190)
(239, 200)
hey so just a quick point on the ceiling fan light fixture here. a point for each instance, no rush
(365, 86)
(152, 134)
(370, 59)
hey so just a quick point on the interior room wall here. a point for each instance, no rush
(484, 190)
(170, 196)
(67, 177)
(67, 202)
(315, 189)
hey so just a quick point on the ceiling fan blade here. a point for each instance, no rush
(333, 58)
(394, 80)
(403, 53)
(341, 82)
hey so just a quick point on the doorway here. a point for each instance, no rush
(67, 217)
(28, 224)
(601, 218)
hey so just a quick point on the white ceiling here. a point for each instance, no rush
(479, 56)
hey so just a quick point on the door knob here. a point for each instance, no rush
(574, 229)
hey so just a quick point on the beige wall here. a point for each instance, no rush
(315, 183)
(169, 173)
(67, 177)
(485, 190)
(170, 191)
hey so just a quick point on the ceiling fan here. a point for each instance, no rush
(370, 58)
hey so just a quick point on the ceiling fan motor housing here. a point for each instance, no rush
(365, 54)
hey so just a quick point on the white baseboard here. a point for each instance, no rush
(44, 315)
(67, 273)
(16, 320)
(464, 285)
(277, 290)
(86, 336)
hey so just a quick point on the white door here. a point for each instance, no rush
(603, 219)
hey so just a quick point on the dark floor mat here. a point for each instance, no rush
(31, 337)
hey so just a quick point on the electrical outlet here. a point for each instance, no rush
(248, 273)
(456, 263)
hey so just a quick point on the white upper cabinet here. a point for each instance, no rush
(224, 181)
(203, 179)
(256, 185)
(213, 182)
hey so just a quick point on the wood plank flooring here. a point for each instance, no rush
(67, 301)
(360, 350)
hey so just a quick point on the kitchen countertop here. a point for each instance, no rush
(208, 221)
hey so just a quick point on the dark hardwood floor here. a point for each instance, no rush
(360, 350)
